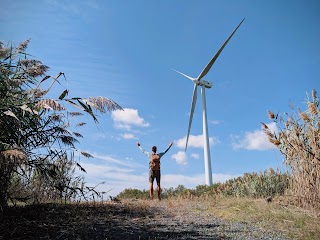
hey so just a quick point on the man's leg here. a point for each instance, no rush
(151, 179)
(159, 192)
(151, 190)
(158, 184)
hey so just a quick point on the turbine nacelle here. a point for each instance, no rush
(202, 82)
(197, 81)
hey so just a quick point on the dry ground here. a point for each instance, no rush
(166, 219)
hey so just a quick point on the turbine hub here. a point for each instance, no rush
(205, 83)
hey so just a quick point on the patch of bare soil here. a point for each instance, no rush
(135, 219)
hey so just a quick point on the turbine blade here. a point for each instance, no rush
(193, 104)
(207, 68)
(192, 79)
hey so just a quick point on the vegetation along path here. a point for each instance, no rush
(130, 219)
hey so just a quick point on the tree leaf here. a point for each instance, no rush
(11, 114)
(80, 124)
(81, 168)
(88, 155)
(27, 109)
(77, 134)
(65, 93)
(74, 104)
(45, 78)
(88, 109)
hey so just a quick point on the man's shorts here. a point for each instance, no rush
(154, 174)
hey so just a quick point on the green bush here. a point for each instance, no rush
(130, 193)
(268, 183)
(264, 184)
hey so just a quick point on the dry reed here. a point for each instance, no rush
(299, 141)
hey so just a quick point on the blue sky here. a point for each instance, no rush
(125, 50)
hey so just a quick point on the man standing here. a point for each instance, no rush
(154, 171)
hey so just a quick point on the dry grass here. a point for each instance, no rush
(296, 222)
(299, 141)
(98, 221)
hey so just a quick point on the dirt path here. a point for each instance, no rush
(128, 220)
(187, 219)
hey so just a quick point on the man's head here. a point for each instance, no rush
(154, 149)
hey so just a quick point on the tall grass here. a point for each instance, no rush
(299, 141)
(37, 138)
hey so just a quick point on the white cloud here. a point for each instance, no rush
(112, 160)
(215, 122)
(180, 157)
(104, 170)
(191, 181)
(128, 118)
(117, 179)
(128, 136)
(195, 155)
(255, 140)
(195, 141)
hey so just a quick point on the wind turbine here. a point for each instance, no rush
(199, 81)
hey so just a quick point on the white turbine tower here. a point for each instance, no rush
(199, 81)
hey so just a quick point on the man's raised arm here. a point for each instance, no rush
(166, 149)
(142, 150)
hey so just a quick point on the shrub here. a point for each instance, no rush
(130, 193)
(268, 183)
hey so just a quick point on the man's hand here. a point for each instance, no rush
(138, 144)
(170, 144)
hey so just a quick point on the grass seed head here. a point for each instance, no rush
(304, 116)
(271, 115)
(4, 52)
(22, 46)
(314, 94)
(312, 108)
(274, 141)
